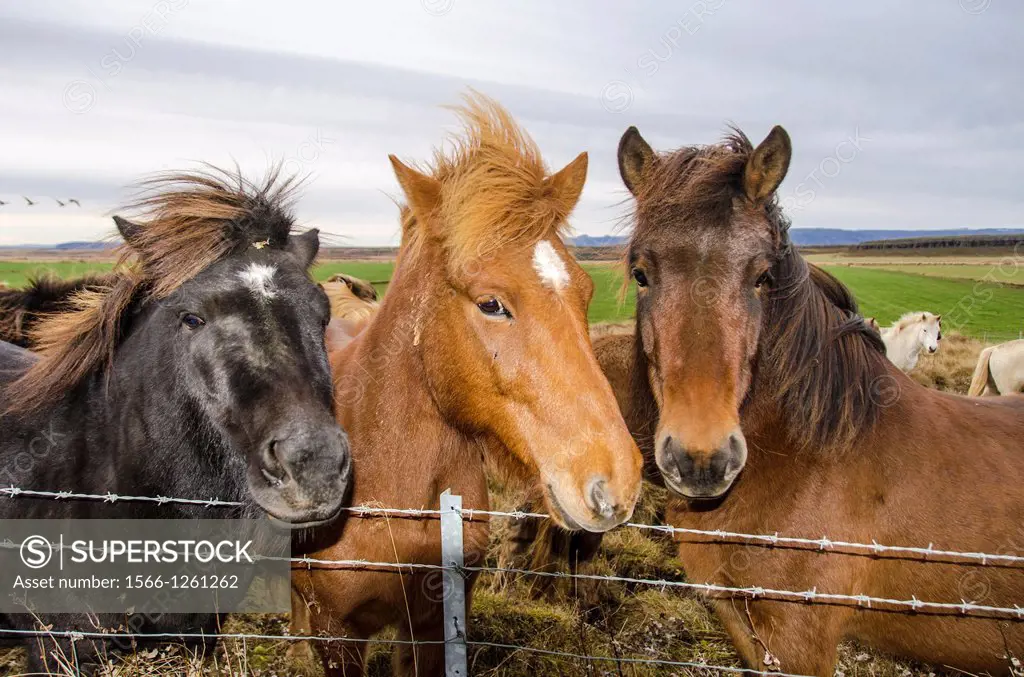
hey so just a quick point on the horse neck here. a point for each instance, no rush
(393, 421)
(905, 344)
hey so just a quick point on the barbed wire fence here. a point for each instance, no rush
(457, 636)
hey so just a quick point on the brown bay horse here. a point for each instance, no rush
(479, 353)
(769, 406)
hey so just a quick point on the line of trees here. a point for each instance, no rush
(946, 242)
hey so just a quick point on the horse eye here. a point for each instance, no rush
(763, 279)
(492, 307)
(192, 321)
(640, 277)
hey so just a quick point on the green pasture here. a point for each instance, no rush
(969, 305)
(16, 273)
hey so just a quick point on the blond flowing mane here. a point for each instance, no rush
(186, 222)
(909, 319)
(493, 188)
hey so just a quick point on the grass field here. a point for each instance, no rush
(959, 292)
(974, 308)
(15, 273)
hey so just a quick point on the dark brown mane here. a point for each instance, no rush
(697, 182)
(818, 360)
(185, 223)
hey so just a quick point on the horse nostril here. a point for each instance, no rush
(736, 444)
(273, 470)
(599, 498)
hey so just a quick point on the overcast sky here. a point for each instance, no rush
(902, 115)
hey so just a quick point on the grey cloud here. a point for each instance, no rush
(936, 90)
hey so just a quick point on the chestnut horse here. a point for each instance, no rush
(482, 343)
(769, 406)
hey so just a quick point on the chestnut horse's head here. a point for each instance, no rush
(502, 320)
(708, 235)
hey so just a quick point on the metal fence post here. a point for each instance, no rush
(452, 556)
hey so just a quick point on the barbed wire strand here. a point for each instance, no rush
(824, 543)
(812, 596)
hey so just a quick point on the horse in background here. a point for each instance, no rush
(361, 289)
(909, 336)
(482, 341)
(22, 309)
(353, 304)
(197, 369)
(768, 405)
(1000, 370)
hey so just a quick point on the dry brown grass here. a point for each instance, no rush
(951, 367)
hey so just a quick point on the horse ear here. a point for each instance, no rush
(304, 247)
(129, 231)
(421, 191)
(938, 318)
(924, 317)
(635, 155)
(566, 185)
(767, 165)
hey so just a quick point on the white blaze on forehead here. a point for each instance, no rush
(550, 266)
(260, 280)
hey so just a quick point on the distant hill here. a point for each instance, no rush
(64, 246)
(822, 237)
(78, 246)
(598, 240)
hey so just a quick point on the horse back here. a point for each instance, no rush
(614, 353)
(1006, 367)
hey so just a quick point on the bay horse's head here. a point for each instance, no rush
(502, 319)
(708, 234)
(212, 313)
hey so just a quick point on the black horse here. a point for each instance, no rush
(198, 370)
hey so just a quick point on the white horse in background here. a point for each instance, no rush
(1000, 370)
(911, 334)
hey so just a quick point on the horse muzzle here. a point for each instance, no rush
(302, 478)
(701, 474)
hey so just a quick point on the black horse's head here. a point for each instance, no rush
(246, 339)
(210, 333)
